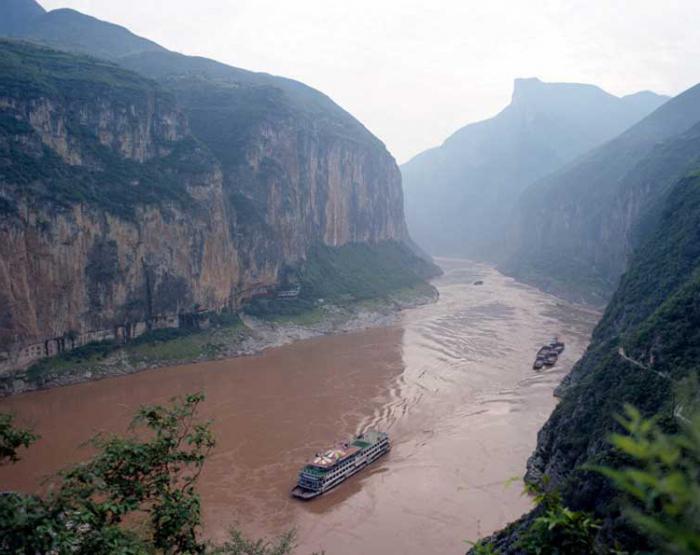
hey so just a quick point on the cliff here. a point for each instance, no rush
(113, 216)
(130, 205)
(574, 231)
(460, 196)
(298, 169)
(644, 351)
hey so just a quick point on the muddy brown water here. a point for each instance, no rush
(451, 382)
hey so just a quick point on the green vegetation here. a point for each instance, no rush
(659, 484)
(170, 345)
(12, 439)
(34, 71)
(136, 495)
(644, 353)
(662, 483)
(105, 179)
(558, 529)
(354, 274)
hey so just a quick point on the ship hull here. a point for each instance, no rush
(306, 494)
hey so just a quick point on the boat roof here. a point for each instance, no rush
(330, 457)
(334, 455)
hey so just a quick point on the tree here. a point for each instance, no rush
(662, 482)
(136, 495)
(557, 529)
(12, 439)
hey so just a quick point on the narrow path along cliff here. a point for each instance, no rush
(451, 382)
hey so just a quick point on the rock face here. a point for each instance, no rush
(128, 205)
(461, 195)
(643, 352)
(644, 348)
(574, 230)
(80, 257)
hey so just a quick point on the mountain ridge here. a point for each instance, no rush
(469, 183)
(282, 171)
(574, 229)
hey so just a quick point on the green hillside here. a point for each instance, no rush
(644, 348)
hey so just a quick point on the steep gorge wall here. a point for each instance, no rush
(574, 231)
(298, 170)
(125, 208)
(90, 247)
(299, 187)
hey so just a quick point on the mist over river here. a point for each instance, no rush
(452, 383)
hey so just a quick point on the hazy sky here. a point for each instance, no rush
(415, 71)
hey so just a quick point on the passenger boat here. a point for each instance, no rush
(335, 465)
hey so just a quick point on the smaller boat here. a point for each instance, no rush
(478, 282)
(551, 358)
(557, 346)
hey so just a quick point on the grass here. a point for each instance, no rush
(356, 274)
(170, 345)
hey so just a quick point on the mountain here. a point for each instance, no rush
(70, 30)
(136, 200)
(18, 14)
(460, 196)
(575, 229)
(643, 352)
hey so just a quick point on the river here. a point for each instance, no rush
(451, 382)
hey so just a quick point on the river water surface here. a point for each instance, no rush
(451, 382)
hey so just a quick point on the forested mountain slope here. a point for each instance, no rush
(643, 352)
(575, 229)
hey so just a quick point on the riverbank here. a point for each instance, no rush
(240, 335)
(450, 381)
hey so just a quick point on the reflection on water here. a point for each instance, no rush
(451, 382)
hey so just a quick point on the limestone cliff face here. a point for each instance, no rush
(298, 170)
(299, 186)
(83, 271)
(129, 205)
(102, 233)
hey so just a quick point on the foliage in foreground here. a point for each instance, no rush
(559, 529)
(659, 489)
(12, 439)
(136, 495)
(662, 486)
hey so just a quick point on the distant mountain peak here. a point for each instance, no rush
(16, 14)
(523, 85)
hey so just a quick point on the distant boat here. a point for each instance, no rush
(478, 282)
(547, 355)
(557, 346)
(335, 465)
(550, 358)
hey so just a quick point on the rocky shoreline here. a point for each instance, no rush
(254, 336)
